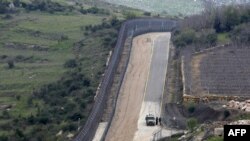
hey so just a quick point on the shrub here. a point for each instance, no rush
(7, 17)
(147, 13)
(130, 15)
(69, 127)
(10, 63)
(191, 108)
(184, 38)
(43, 120)
(3, 138)
(83, 11)
(31, 120)
(241, 34)
(93, 10)
(75, 116)
(71, 63)
(226, 114)
(3, 6)
(192, 123)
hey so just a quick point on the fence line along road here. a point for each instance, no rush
(130, 28)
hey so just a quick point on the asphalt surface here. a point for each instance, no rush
(157, 74)
(152, 103)
(158, 69)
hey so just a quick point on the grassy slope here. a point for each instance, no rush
(171, 7)
(26, 77)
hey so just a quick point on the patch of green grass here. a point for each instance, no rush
(243, 116)
(223, 38)
(45, 29)
(215, 138)
(26, 77)
(169, 7)
(19, 86)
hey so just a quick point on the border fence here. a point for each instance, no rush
(130, 28)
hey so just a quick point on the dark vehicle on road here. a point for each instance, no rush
(150, 120)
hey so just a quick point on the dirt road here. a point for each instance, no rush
(125, 122)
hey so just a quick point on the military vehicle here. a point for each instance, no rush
(150, 120)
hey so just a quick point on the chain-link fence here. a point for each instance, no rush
(131, 29)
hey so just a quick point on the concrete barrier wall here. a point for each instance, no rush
(130, 28)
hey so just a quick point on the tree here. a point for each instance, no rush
(217, 23)
(192, 123)
(16, 3)
(3, 6)
(232, 18)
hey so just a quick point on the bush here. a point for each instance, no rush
(70, 107)
(43, 5)
(71, 63)
(83, 11)
(5, 114)
(93, 10)
(191, 109)
(10, 63)
(192, 123)
(147, 13)
(226, 114)
(31, 120)
(208, 38)
(7, 17)
(4, 6)
(241, 34)
(69, 127)
(75, 117)
(3, 138)
(130, 15)
(43, 120)
(64, 37)
(184, 38)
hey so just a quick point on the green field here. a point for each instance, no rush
(172, 7)
(169, 7)
(27, 76)
(40, 43)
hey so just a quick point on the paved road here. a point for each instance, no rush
(158, 69)
(142, 89)
(154, 87)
